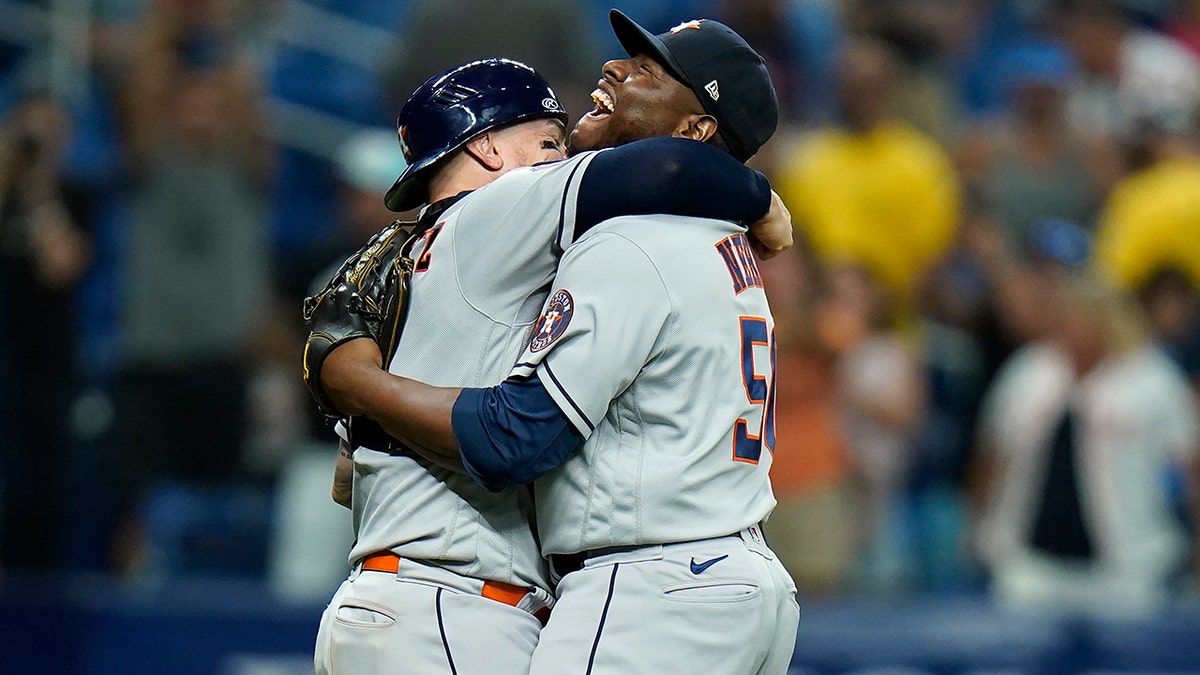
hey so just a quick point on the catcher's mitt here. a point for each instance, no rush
(367, 297)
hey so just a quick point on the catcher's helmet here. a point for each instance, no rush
(454, 107)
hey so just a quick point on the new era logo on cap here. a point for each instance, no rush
(712, 90)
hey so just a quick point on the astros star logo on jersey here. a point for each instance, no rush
(554, 322)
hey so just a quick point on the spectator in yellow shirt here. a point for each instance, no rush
(875, 191)
(1151, 222)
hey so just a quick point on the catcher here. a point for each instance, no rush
(469, 279)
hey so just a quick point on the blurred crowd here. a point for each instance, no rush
(989, 330)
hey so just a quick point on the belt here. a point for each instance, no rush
(509, 594)
(565, 563)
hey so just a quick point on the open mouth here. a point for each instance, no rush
(604, 104)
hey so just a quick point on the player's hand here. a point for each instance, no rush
(772, 235)
(346, 371)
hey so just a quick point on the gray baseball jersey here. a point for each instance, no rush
(657, 344)
(481, 276)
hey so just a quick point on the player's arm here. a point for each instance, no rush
(515, 430)
(680, 177)
(416, 413)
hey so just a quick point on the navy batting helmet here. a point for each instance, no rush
(454, 107)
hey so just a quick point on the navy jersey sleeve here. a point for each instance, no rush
(673, 176)
(511, 433)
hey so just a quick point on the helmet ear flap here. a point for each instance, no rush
(450, 109)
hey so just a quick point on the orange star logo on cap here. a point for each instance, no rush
(694, 23)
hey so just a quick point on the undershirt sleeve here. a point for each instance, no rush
(511, 433)
(673, 176)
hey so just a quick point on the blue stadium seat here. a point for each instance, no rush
(214, 532)
(1168, 643)
(935, 635)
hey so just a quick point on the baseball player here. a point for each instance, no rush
(430, 538)
(655, 350)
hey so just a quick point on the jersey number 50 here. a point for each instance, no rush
(760, 390)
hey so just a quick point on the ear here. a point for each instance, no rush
(697, 127)
(484, 150)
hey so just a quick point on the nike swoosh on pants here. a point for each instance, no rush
(697, 568)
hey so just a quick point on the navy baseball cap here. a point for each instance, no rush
(724, 72)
